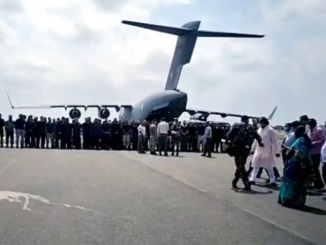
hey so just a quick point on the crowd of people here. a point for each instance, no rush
(63, 133)
(303, 148)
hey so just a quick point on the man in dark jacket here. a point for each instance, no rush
(2, 125)
(87, 136)
(29, 132)
(20, 125)
(50, 131)
(76, 137)
(66, 133)
(96, 134)
(9, 128)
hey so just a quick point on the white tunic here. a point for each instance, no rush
(323, 153)
(264, 157)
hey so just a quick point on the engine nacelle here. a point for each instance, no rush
(75, 113)
(103, 113)
(200, 116)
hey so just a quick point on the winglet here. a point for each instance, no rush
(270, 117)
(10, 102)
(30, 107)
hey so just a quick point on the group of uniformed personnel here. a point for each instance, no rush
(64, 133)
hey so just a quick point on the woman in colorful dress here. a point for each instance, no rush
(296, 170)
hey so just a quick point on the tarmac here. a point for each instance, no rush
(66, 197)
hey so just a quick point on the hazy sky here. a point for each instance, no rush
(67, 51)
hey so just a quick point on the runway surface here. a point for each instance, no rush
(95, 197)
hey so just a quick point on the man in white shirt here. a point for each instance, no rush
(162, 132)
(141, 137)
(323, 161)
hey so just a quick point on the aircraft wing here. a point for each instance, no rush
(66, 106)
(225, 114)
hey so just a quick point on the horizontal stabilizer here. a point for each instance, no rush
(165, 29)
(226, 34)
(181, 31)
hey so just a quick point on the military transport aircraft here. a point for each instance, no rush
(171, 102)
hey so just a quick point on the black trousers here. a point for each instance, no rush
(40, 140)
(175, 146)
(65, 142)
(208, 147)
(87, 141)
(134, 142)
(77, 141)
(1, 137)
(193, 143)
(10, 138)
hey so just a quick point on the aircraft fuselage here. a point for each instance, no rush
(169, 104)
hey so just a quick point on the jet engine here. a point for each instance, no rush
(200, 116)
(74, 113)
(104, 113)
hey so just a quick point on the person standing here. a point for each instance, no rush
(76, 134)
(2, 125)
(105, 135)
(115, 134)
(264, 156)
(176, 132)
(162, 132)
(126, 135)
(29, 132)
(20, 126)
(184, 136)
(200, 133)
(293, 191)
(9, 128)
(96, 132)
(323, 161)
(87, 133)
(141, 137)
(316, 135)
(207, 141)
(152, 137)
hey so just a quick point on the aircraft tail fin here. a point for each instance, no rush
(10, 101)
(187, 37)
(270, 117)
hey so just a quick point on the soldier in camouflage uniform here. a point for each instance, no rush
(175, 132)
(240, 138)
